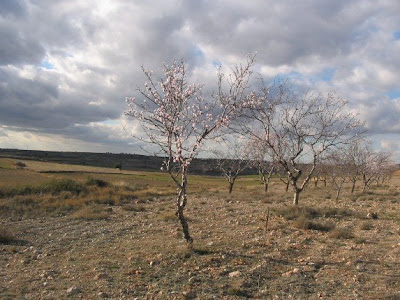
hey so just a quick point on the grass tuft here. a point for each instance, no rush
(342, 233)
(6, 236)
(367, 225)
(90, 181)
(303, 223)
(133, 207)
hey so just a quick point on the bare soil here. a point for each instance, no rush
(136, 250)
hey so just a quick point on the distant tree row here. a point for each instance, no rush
(350, 163)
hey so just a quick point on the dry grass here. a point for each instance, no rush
(342, 233)
(367, 225)
(91, 213)
(303, 223)
(6, 236)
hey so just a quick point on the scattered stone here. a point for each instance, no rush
(103, 295)
(372, 215)
(360, 268)
(234, 274)
(74, 290)
(101, 276)
(290, 273)
(287, 274)
(153, 263)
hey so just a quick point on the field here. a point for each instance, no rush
(79, 232)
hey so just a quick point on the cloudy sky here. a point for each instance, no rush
(66, 66)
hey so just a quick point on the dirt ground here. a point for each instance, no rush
(324, 250)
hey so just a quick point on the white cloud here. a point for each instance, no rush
(95, 49)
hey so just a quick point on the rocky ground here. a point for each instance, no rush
(137, 251)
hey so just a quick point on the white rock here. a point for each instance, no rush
(234, 274)
(74, 290)
(103, 295)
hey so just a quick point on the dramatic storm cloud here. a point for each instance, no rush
(66, 66)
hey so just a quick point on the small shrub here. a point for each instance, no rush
(303, 223)
(360, 241)
(6, 236)
(342, 233)
(133, 207)
(294, 212)
(20, 165)
(107, 201)
(233, 291)
(366, 225)
(90, 181)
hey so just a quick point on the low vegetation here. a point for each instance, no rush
(6, 236)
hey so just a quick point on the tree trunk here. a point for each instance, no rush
(339, 189)
(265, 181)
(296, 197)
(266, 186)
(180, 206)
(353, 187)
(287, 185)
(364, 187)
(185, 226)
(231, 186)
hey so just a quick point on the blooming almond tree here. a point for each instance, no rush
(175, 116)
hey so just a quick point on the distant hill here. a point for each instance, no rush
(109, 160)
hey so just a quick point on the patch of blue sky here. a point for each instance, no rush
(393, 93)
(326, 74)
(291, 75)
(47, 65)
(396, 35)
(216, 63)
(198, 53)
(110, 122)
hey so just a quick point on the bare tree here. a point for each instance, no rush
(320, 173)
(231, 163)
(388, 171)
(338, 168)
(355, 159)
(262, 160)
(176, 118)
(299, 128)
(386, 167)
(373, 165)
